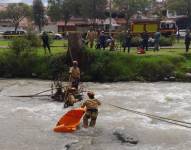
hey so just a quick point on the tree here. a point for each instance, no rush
(180, 6)
(93, 9)
(38, 14)
(131, 7)
(63, 9)
(16, 13)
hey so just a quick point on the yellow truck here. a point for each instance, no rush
(166, 27)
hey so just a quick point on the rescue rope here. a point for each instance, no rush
(37, 94)
(171, 121)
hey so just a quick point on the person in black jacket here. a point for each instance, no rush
(145, 42)
(187, 41)
(102, 40)
(45, 40)
(127, 41)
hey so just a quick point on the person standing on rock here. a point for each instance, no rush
(91, 110)
(46, 43)
(75, 74)
(187, 41)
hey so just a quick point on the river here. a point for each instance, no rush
(27, 123)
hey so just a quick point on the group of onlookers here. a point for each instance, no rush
(146, 40)
(103, 40)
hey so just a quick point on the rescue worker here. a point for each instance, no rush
(75, 74)
(127, 41)
(187, 40)
(92, 110)
(112, 43)
(45, 40)
(91, 37)
(70, 97)
(59, 95)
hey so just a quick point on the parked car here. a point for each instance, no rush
(55, 36)
(58, 36)
(10, 34)
(182, 33)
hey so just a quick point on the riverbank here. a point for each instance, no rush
(101, 66)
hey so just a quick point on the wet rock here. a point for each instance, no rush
(125, 137)
(166, 79)
(69, 146)
(172, 78)
(34, 75)
(188, 75)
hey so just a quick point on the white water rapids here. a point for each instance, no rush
(26, 123)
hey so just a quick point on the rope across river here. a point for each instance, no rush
(167, 120)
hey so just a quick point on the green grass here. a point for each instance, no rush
(54, 50)
(4, 42)
(56, 43)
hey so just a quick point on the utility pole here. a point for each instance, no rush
(110, 17)
(94, 14)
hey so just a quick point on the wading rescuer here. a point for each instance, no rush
(70, 97)
(75, 74)
(92, 110)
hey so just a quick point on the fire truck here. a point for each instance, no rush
(166, 27)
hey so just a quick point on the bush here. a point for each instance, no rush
(166, 41)
(19, 46)
(34, 39)
(21, 57)
(106, 66)
(136, 41)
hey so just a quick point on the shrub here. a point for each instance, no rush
(166, 41)
(136, 41)
(21, 57)
(19, 46)
(33, 38)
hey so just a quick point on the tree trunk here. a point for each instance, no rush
(75, 46)
(65, 24)
(40, 27)
(16, 26)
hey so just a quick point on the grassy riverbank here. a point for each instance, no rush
(119, 66)
(103, 66)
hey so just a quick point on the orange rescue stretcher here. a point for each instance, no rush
(70, 121)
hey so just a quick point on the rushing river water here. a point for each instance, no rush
(26, 123)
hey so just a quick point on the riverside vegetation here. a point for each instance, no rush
(24, 59)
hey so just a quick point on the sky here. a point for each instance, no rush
(25, 1)
(17, 1)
